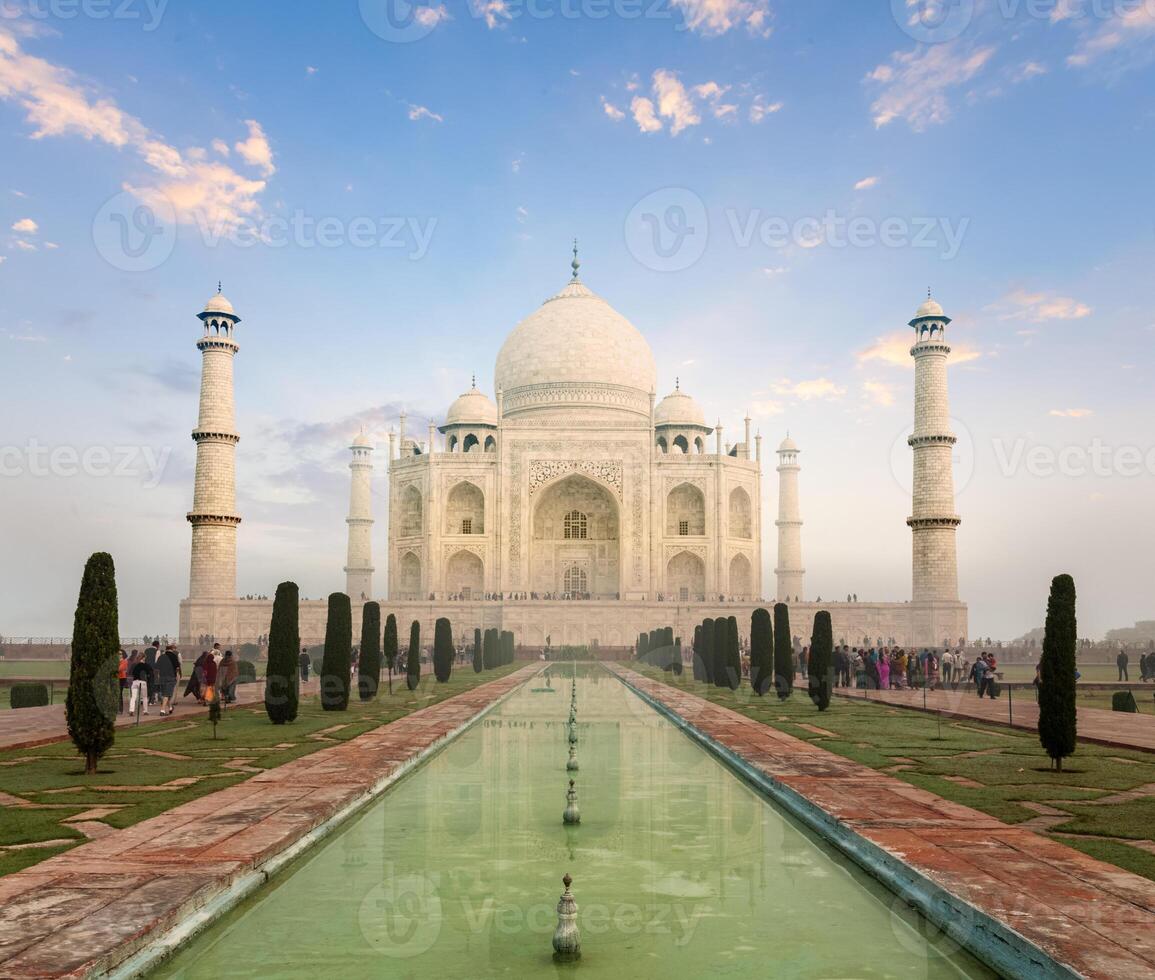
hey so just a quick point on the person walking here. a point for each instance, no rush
(884, 670)
(122, 678)
(305, 662)
(195, 685)
(168, 673)
(227, 678)
(150, 656)
(1121, 662)
(209, 672)
(138, 674)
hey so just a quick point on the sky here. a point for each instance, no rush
(765, 188)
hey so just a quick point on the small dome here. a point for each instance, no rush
(929, 308)
(362, 442)
(788, 446)
(218, 304)
(472, 408)
(678, 408)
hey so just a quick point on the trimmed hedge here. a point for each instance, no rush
(29, 696)
(246, 672)
(1058, 723)
(369, 665)
(93, 688)
(413, 657)
(1124, 701)
(337, 665)
(443, 650)
(282, 672)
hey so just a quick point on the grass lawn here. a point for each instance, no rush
(192, 765)
(1011, 770)
(43, 670)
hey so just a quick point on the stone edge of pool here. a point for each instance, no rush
(981, 932)
(122, 957)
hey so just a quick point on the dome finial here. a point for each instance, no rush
(575, 264)
(220, 287)
(473, 383)
(677, 384)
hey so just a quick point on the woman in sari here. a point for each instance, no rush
(884, 669)
(196, 681)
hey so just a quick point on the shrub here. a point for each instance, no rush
(1057, 720)
(708, 651)
(29, 696)
(389, 647)
(93, 685)
(761, 651)
(783, 652)
(1120, 701)
(443, 651)
(413, 658)
(249, 651)
(369, 666)
(733, 654)
(696, 650)
(643, 645)
(478, 660)
(282, 673)
(821, 660)
(246, 672)
(720, 659)
(507, 648)
(337, 665)
(489, 649)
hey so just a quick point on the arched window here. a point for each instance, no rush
(453, 444)
(682, 445)
(576, 580)
(470, 444)
(490, 444)
(663, 445)
(699, 446)
(576, 526)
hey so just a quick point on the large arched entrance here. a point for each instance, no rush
(465, 575)
(575, 544)
(686, 577)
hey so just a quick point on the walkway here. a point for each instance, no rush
(94, 906)
(1117, 729)
(1095, 918)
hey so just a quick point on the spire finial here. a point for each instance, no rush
(575, 264)
(475, 382)
(928, 293)
(220, 287)
(677, 384)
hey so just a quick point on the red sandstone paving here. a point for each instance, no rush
(92, 906)
(1092, 916)
(1113, 728)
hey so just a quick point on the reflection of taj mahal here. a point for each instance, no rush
(577, 505)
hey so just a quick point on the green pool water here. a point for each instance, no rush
(680, 870)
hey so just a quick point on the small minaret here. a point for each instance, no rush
(359, 560)
(933, 522)
(789, 571)
(214, 520)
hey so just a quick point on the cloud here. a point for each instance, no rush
(674, 103)
(866, 183)
(522, 214)
(879, 393)
(1027, 71)
(612, 110)
(310, 70)
(221, 147)
(760, 109)
(1122, 28)
(711, 18)
(1071, 413)
(431, 16)
(894, 349)
(760, 409)
(1021, 304)
(57, 104)
(26, 226)
(643, 111)
(818, 388)
(417, 112)
(915, 84)
(256, 151)
(23, 245)
(495, 12)
(773, 272)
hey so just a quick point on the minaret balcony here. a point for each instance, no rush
(947, 439)
(917, 523)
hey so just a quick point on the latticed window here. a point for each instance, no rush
(684, 529)
(467, 525)
(576, 526)
(576, 580)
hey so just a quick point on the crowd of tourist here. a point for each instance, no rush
(151, 678)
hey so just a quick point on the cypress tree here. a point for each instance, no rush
(336, 666)
(708, 650)
(643, 646)
(507, 648)
(369, 666)
(478, 661)
(442, 649)
(761, 651)
(93, 697)
(696, 650)
(1057, 720)
(676, 660)
(283, 673)
(821, 660)
(489, 651)
(733, 654)
(721, 678)
(390, 647)
(783, 652)
(413, 660)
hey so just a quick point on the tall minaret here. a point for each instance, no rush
(934, 520)
(359, 561)
(213, 518)
(789, 571)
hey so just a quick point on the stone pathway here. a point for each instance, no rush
(1096, 918)
(1113, 728)
(92, 907)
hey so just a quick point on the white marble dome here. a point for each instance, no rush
(361, 441)
(788, 446)
(218, 304)
(575, 349)
(472, 408)
(678, 408)
(929, 308)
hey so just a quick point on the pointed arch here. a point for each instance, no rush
(465, 509)
(741, 520)
(411, 512)
(685, 512)
(686, 577)
(741, 577)
(409, 576)
(465, 575)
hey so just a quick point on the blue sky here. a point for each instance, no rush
(998, 151)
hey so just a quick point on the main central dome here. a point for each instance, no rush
(575, 351)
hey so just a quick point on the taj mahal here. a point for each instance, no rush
(575, 506)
